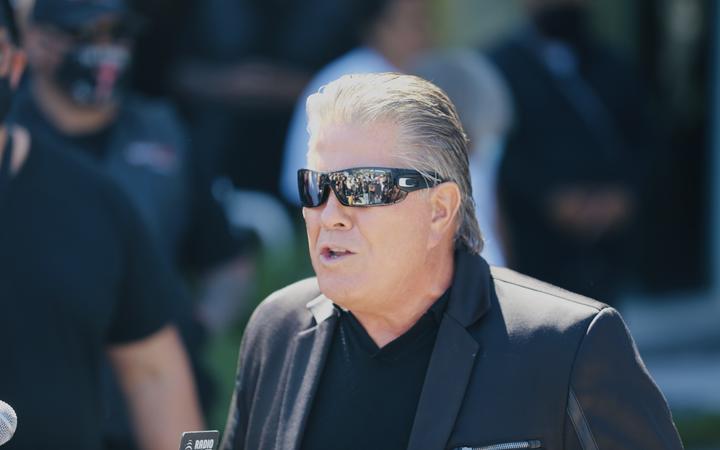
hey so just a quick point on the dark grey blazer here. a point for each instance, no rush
(515, 361)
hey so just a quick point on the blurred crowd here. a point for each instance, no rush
(145, 121)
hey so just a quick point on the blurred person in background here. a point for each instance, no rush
(393, 33)
(573, 178)
(239, 69)
(483, 103)
(80, 280)
(78, 96)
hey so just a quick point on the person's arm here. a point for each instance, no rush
(591, 212)
(155, 375)
(613, 403)
(219, 256)
(225, 293)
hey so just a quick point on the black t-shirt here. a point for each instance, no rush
(96, 144)
(5, 166)
(367, 396)
(77, 273)
(146, 151)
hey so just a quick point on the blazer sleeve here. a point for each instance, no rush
(234, 437)
(613, 403)
(236, 425)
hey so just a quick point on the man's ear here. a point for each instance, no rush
(445, 204)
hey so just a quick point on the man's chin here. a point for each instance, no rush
(342, 290)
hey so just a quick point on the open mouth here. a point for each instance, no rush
(334, 253)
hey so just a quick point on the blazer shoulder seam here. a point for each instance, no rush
(553, 291)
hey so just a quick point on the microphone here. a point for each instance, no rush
(8, 422)
(200, 440)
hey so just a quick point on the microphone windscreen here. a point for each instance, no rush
(8, 422)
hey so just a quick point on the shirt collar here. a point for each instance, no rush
(437, 310)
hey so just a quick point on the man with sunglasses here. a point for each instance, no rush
(406, 339)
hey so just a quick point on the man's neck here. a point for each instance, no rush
(386, 326)
(67, 116)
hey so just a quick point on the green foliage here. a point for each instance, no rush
(274, 271)
(699, 431)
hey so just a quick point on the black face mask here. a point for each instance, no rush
(94, 74)
(567, 23)
(6, 97)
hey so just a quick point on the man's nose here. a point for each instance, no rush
(334, 215)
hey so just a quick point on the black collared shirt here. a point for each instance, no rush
(367, 396)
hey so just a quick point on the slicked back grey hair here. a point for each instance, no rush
(432, 138)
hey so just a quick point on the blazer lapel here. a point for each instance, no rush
(453, 357)
(305, 368)
(445, 381)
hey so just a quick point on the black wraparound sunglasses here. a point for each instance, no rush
(362, 186)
